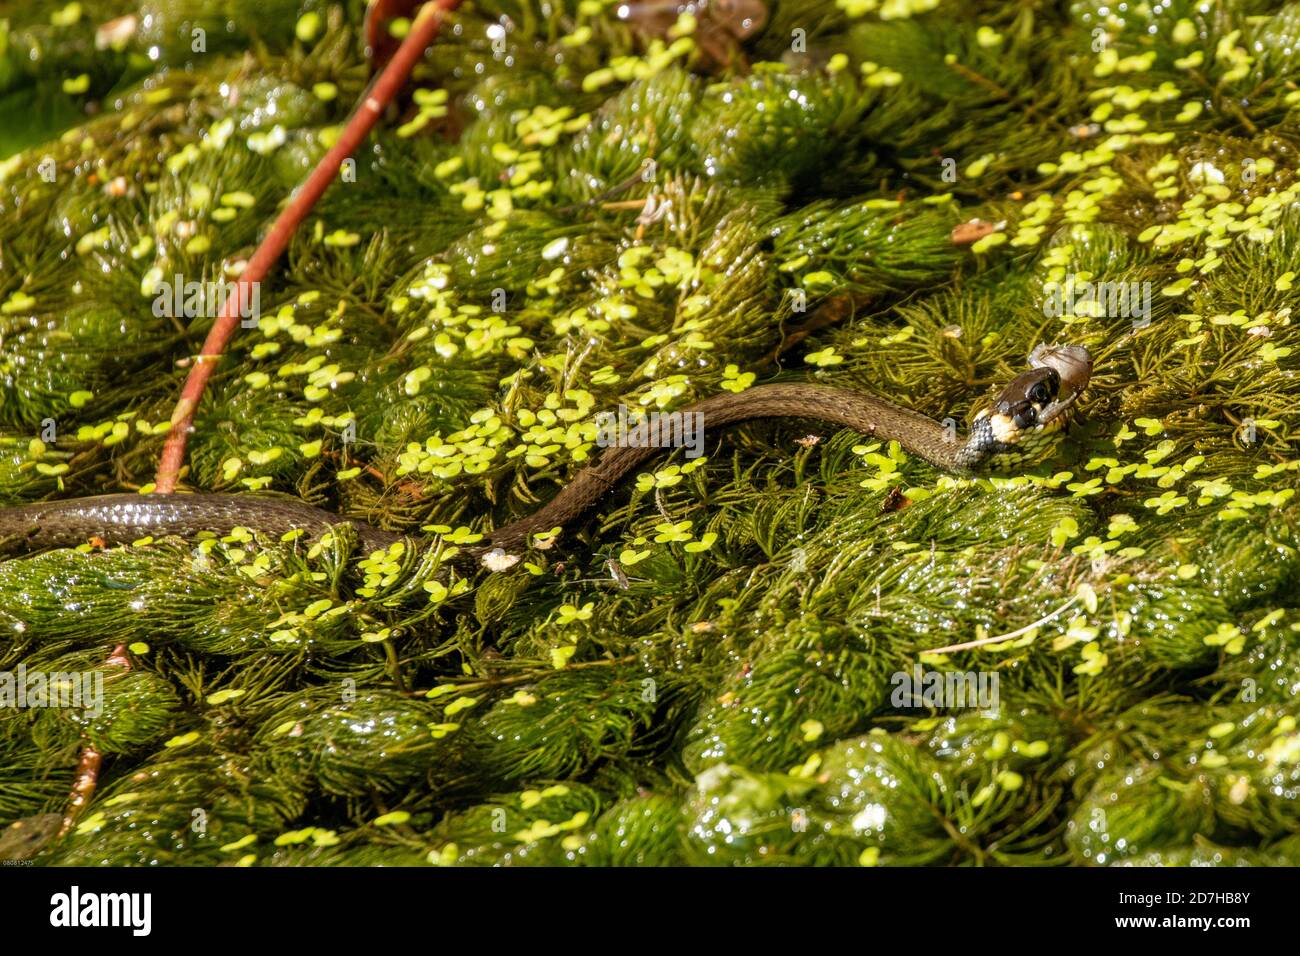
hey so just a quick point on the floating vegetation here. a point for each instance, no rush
(740, 658)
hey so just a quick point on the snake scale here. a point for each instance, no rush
(1021, 426)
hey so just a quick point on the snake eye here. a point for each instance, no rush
(1026, 417)
(1040, 394)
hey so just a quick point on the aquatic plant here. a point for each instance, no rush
(570, 212)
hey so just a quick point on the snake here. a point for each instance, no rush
(1022, 425)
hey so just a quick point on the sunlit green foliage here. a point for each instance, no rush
(703, 669)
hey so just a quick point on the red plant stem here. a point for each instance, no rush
(373, 103)
(83, 784)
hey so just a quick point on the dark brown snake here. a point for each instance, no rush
(1023, 424)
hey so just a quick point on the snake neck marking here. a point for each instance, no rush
(1022, 425)
(1027, 419)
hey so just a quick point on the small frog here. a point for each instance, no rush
(721, 26)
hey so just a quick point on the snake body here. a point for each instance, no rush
(1022, 425)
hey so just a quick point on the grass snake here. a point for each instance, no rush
(1021, 426)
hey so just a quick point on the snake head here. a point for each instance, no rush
(1044, 394)
(1029, 415)
(1029, 400)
